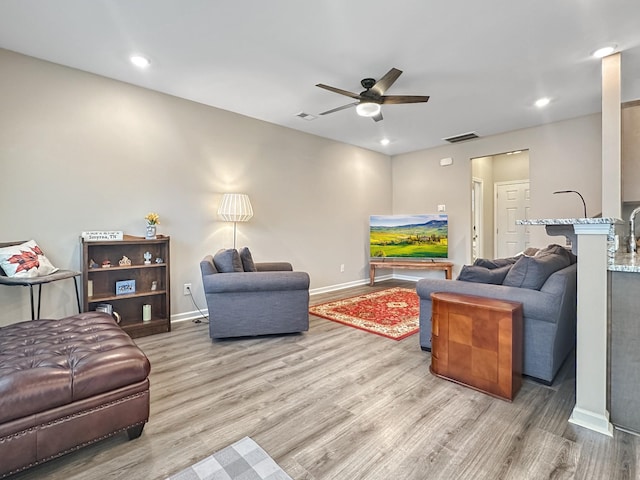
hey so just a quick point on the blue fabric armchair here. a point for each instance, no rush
(273, 299)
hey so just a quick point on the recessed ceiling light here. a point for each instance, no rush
(542, 102)
(604, 51)
(385, 141)
(140, 61)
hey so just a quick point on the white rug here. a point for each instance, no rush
(244, 460)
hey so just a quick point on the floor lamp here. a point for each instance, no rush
(235, 207)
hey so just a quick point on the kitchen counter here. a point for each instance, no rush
(568, 221)
(567, 227)
(624, 262)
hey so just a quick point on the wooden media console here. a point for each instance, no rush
(447, 267)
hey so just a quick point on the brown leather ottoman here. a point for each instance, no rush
(65, 384)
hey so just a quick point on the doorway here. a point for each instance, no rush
(477, 192)
(486, 173)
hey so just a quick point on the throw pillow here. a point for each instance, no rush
(25, 260)
(228, 261)
(478, 274)
(495, 263)
(558, 250)
(247, 260)
(532, 272)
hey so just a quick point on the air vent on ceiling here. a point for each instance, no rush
(462, 137)
(306, 116)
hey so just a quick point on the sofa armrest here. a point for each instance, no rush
(274, 266)
(254, 282)
(535, 304)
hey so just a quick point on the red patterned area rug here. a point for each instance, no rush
(392, 313)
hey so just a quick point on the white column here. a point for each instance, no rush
(590, 410)
(611, 137)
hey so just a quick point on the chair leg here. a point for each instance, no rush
(39, 298)
(75, 284)
(33, 317)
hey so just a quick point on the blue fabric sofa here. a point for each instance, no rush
(549, 315)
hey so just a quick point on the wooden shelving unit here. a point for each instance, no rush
(130, 306)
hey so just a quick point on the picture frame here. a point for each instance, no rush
(126, 287)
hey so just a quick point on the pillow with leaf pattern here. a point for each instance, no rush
(25, 260)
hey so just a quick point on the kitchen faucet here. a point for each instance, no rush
(632, 230)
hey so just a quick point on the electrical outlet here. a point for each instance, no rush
(342, 268)
(186, 289)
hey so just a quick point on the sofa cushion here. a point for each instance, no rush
(478, 274)
(532, 272)
(228, 261)
(247, 260)
(25, 260)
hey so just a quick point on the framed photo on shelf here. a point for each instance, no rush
(126, 287)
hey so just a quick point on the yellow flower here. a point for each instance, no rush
(152, 218)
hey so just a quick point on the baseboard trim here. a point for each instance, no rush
(186, 316)
(339, 286)
(195, 314)
(591, 420)
(408, 278)
(357, 283)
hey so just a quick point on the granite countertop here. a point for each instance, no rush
(625, 262)
(569, 221)
(618, 261)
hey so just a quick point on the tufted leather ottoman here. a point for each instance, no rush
(67, 383)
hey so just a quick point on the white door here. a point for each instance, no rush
(476, 211)
(512, 203)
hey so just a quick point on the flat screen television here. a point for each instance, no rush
(409, 236)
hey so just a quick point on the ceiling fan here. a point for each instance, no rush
(369, 101)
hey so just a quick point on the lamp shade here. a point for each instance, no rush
(235, 207)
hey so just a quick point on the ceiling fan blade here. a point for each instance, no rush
(339, 108)
(378, 117)
(385, 82)
(396, 99)
(339, 90)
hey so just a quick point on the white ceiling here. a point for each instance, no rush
(483, 63)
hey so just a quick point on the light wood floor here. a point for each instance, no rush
(339, 403)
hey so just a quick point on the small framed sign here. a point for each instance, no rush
(96, 236)
(125, 287)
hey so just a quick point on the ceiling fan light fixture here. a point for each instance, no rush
(368, 109)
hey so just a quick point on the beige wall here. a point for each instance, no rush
(82, 152)
(562, 155)
(507, 168)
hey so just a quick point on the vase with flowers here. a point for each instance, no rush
(152, 219)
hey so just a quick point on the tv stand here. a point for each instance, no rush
(447, 267)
